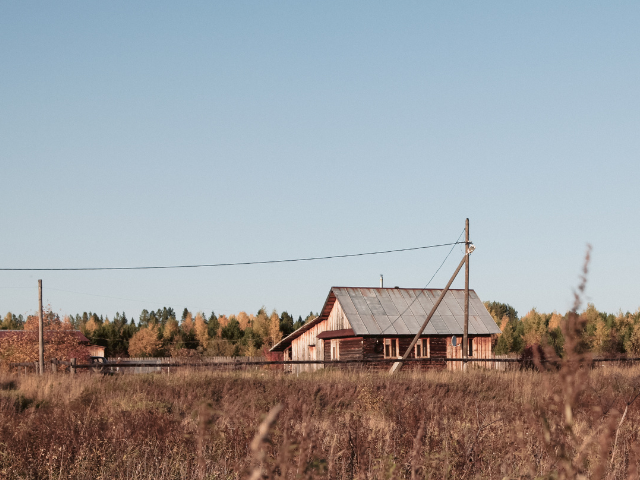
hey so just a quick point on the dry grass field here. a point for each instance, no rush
(332, 424)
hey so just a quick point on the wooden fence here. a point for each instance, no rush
(160, 364)
(171, 364)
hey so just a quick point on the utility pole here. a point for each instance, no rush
(465, 338)
(398, 365)
(40, 330)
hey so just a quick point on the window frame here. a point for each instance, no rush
(394, 345)
(425, 349)
(334, 351)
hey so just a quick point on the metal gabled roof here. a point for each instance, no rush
(402, 311)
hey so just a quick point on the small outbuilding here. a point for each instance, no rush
(380, 323)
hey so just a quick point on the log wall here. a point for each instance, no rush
(308, 347)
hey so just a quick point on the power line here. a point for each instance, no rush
(236, 264)
(433, 276)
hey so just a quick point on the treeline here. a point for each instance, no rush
(161, 333)
(603, 333)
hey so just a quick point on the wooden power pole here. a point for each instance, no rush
(40, 330)
(398, 365)
(465, 337)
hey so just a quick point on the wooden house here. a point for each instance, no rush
(380, 323)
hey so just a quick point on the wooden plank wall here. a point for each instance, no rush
(300, 350)
(337, 319)
(481, 349)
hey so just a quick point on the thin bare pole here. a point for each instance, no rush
(40, 329)
(397, 366)
(465, 337)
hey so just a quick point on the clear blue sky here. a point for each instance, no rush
(153, 133)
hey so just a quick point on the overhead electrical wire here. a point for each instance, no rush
(434, 275)
(236, 264)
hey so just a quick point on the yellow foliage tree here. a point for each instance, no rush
(91, 326)
(223, 320)
(8, 321)
(534, 328)
(202, 331)
(243, 320)
(600, 339)
(220, 348)
(632, 345)
(261, 326)
(170, 329)
(50, 321)
(187, 324)
(555, 321)
(504, 323)
(66, 323)
(275, 335)
(250, 349)
(145, 342)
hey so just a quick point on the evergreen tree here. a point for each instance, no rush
(299, 323)
(286, 324)
(214, 325)
(499, 310)
(144, 318)
(232, 331)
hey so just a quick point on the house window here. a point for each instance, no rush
(335, 349)
(422, 348)
(391, 348)
(470, 343)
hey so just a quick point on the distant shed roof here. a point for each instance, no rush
(402, 311)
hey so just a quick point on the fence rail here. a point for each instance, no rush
(171, 360)
(150, 365)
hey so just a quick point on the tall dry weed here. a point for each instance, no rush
(566, 420)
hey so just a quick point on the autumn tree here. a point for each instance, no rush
(201, 330)
(535, 328)
(60, 342)
(261, 324)
(187, 324)
(12, 322)
(275, 335)
(145, 343)
(632, 342)
(170, 329)
(243, 320)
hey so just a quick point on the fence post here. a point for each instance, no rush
(73, 366)
(54, 368)
(35, 365)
